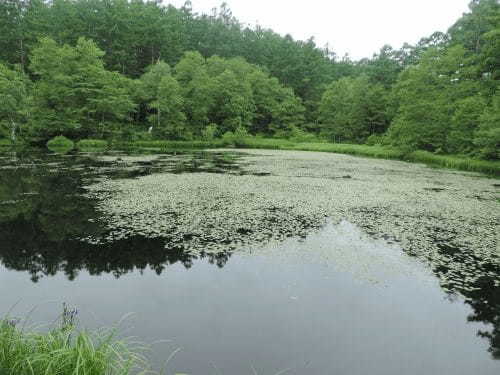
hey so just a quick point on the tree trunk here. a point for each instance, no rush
(22, 54)
(13, 131)
(102, 125)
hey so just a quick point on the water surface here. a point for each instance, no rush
(333, 301)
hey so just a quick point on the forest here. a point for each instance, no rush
(139, 70)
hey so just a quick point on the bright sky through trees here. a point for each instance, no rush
(357, 27)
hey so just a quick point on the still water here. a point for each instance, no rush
(305, 305)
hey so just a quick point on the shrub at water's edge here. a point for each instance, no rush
(5, 142)
(60, 143)
(64, 350)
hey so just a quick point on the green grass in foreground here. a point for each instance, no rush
(382, 152)
(66, 351)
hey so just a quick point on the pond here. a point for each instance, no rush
(259, 261)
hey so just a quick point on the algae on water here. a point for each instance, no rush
(448, 218)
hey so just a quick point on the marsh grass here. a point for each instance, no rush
(360, 150)
(67, 351)
(456, 162)
(7, 143)
(4, 142)
(170, 145)
(91, 144)
(376, 151)
(382, 152)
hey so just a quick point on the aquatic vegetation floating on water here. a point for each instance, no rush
(294, 193)
(393, 201)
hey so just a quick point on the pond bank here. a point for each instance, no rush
(457, 162)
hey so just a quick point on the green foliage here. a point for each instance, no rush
(171, 145)
(14, 102)
(376, 139)
(162, 95)
(233, 93)
(65, 351)
(443, 101)
(5, 142)
(277, 108)
(299, 136)
(74, 95)
(233, 107)
(237, 138)
(487, 135)
(472, 28)
(464, 122)
(352, 109)
(429, 95)
(91, 144)
(210, 132)
(455, 162)
(352, 149)
(137, 70)
(197, 88)
(12, 46)
(290, 113)
(384, 67)
(152, 78)
(490, 53)
(60, 143)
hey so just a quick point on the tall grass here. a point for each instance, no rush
(361, 150)
(66, 351)
(170, 145)
(456, 162)
(4, 142)
(383, 152)
(91, 144)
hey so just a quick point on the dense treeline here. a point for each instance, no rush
(137, 69)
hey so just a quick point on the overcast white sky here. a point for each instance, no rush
(357, 27)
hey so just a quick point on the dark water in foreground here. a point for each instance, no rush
(290, 306)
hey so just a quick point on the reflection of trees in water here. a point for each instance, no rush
(481, 294)
(38, 231)
(118, 258)
(486, 305)
(39, 238)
